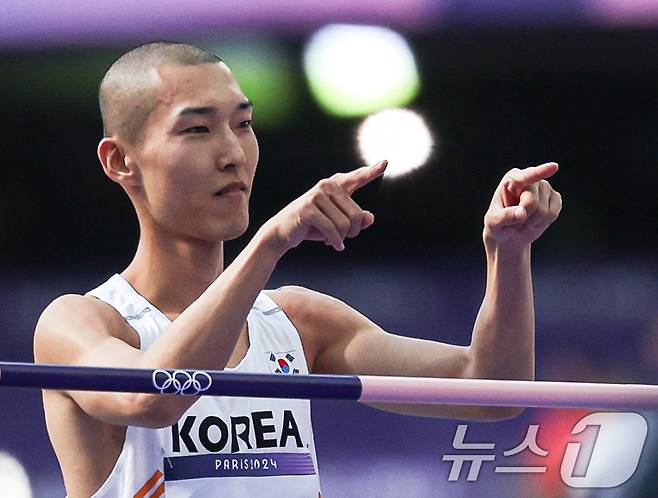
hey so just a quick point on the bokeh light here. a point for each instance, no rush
(399, 135)
(266, 73)
(355, 70)
(13, 478)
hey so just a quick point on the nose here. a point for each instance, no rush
(230, 154)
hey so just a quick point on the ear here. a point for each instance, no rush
(116, 164)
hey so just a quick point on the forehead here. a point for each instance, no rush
(195, 85)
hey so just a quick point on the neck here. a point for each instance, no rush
(172, 272)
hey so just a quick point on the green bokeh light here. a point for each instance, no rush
(353, 71)
(267, 75)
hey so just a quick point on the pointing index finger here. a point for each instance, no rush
(532, 175)
(361, 176)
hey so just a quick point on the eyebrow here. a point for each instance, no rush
(204, 110)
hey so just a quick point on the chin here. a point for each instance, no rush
(233, 231)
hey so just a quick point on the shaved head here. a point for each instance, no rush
(126, 91)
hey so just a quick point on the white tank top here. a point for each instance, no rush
(222, 446)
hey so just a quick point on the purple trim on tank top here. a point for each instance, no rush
(238, 465)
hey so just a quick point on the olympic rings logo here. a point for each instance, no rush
(181, 382)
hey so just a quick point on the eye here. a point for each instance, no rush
(197, 129)
(245, 124)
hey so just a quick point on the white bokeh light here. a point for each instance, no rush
(399, 135)
(355, 70)
(13, 478)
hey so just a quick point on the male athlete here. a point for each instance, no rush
(178, 139)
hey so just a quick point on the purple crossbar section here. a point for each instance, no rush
(238, 465)
(137, 380)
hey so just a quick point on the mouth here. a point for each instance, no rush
(232, 188)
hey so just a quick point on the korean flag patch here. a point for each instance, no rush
(282, 363)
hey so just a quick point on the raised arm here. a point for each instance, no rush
(523, 206)
(80, 330)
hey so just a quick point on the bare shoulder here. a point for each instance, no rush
(314, 307)
(320, 319)
(296, 300)
(72, 323)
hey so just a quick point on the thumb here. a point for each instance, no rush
(367, 220)
(507, 216)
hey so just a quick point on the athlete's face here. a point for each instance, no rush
(197, 141)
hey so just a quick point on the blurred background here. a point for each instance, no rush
(457, 92)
